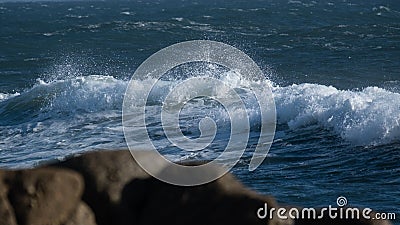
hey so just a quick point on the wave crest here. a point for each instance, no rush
(367, 117)
(63, 97)
(370, 116)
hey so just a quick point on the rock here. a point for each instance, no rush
(119, 192)
(224, 201)
(105, 174)
(83, 215)
(7, 216)
(45, 195)
(108, 173)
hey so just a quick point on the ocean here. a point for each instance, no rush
(333, 66)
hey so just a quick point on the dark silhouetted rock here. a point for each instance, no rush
(7, 216)
(116, 191)
(45, 196)
(224, 201)
(83, 215)
(105, 174)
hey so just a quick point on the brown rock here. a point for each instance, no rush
(7, 216)
(121, 193)
(224, 201)
(83, 215)
(45, 196)
(105, 174)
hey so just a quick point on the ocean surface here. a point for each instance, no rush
(334, 67)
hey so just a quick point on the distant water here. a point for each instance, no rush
(334, 67)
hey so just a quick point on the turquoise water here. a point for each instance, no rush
(334, 66)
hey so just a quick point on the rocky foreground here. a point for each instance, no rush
(109, 188)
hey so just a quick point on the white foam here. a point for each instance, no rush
(5, 96)
(367, 117)
(87, 93)
(370, 116)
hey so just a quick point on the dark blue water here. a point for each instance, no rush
(335, 68)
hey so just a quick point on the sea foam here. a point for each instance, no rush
(370, 116)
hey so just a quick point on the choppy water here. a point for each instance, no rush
(334, 67)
